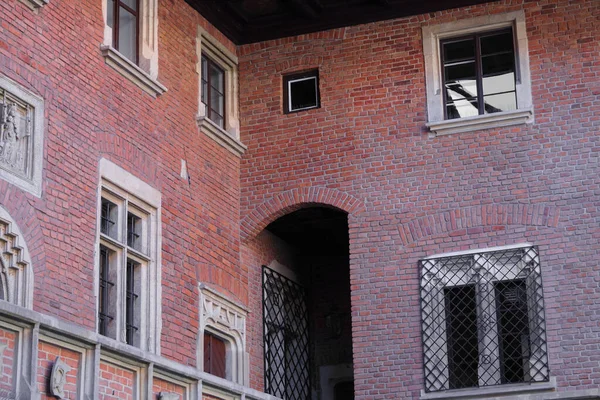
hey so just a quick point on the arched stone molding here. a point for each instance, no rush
(293, 200)
(16, 275)
(470, 219)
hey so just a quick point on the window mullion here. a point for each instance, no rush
(116, 8)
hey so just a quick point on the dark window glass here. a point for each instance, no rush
(131, 302)
(461, 328)
(106, 285)
(479, 74)
(214, 355)
(122, 17)
(134, 224)
(301, 91)
(213, 91)
(108, 215)
(513, 329)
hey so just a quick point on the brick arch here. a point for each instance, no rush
(292, 200)
(467, 220)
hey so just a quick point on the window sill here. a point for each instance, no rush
(506, 391)
(131, 71)
(221, 136)
(479, 122)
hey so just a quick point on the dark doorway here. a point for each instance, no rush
(318, 239)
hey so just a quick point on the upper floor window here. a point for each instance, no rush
(130, 42)
(218, 92)
(483, 319)
(123, 19)
(477, 74)
(128, 259)
(213, 91)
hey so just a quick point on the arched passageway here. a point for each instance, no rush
(306, 307)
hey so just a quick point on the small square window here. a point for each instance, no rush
(301, 91)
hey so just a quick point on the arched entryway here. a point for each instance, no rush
(307, 328)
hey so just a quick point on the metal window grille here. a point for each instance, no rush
(106, 221)
(133, 228)
(105, 285)
(483, 320)
(286, 338)
(131, 298)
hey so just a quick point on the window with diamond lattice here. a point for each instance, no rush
(285, 327)
(483, 319)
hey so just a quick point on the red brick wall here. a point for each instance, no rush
(535, 183)
(160, 385)
(47, 354)
(93, 112)
(116, 383)
(7, 362)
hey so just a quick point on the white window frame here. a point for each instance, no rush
(227, 321)
(131, 194)
(229, 135)
(432, 35)
(145, 73)
(483, 259)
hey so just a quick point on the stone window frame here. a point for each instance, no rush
(146, 200)
(229, 135)
(432, 35)
(32, 183)
(227, 321)
(164, 375)
(17, 277)
(487, 391)
(144, 74)
(35, 5)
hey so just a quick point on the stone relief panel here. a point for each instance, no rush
(21, 136)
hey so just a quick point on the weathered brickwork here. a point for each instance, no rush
(365, 151)
(161, 385)
(93, 112)
(7, 360)
(421, 196)
(116, 382)
(47, 354)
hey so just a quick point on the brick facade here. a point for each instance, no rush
(365, 151)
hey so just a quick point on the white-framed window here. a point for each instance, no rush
(128, 262)
(218, 92)
(477, 74)
(130, 43)
(222, 337)
(301, 91)
(483, 320)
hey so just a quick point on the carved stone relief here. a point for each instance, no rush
(222, 314)
(21, 136)
(168, 396)
(58, 378)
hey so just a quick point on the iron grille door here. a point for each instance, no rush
(285, 329)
